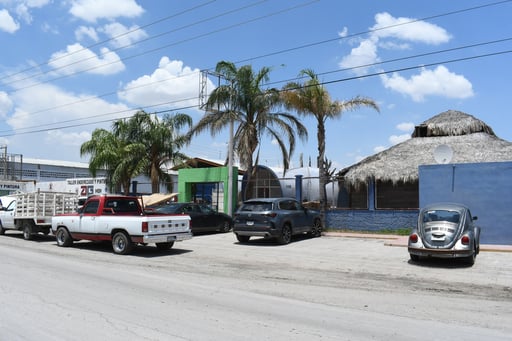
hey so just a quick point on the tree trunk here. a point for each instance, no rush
(321, 170)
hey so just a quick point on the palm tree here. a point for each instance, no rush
(311, 98)
(108, 151)
(243, 102)
(158, 142)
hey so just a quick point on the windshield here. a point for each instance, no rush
(257, 206)
(441, 215)
(166, 208)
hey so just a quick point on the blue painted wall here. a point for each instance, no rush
(371, 220)
(486, 188)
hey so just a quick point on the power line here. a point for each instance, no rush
(217, 31)
(274, 82)
(106, 41)
(157, 48)
(322, 83)
(303, 4)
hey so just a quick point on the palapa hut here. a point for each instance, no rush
(389, 179)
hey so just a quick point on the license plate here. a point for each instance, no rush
(250, 222)
(171, 238)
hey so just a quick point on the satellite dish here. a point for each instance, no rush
(443, 154)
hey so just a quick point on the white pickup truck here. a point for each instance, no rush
(32, 212)
(121, 220)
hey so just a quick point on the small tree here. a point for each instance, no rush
(311, 98)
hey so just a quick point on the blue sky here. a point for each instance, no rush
(68, 67)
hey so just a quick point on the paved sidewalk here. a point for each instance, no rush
(395, 240)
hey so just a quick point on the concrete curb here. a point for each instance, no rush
(401, 241)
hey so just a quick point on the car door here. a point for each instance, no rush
(88, 217)
(198, 223)
(210, 217)
(7, 215)
(294, 214)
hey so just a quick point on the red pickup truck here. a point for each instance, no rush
(121, 220)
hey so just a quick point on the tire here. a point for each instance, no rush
(414, 258)
(2, 230)
(243, 239)
(164, 246)
(316, 231)
(122, 244)
(27, 231)
(471, 259)
(225, 226)
(63, 238)
(286, 235)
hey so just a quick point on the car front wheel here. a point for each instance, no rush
(63, 238)
(316, 230)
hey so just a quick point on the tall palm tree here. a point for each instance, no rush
(158, 142)
(311, 98)
(243, 102)
(108, 151)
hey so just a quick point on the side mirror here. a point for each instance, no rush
(475, 218)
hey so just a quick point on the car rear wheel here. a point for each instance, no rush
(63, 238)
(415, 258)
(122, 244)
(242, 239)
(2, 230)
(27, 231)
(286, 235)
(471, 259)
(164, 246)
(225, 226)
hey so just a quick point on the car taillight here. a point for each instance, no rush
(465, 240)
(413, 238)
(145, 226)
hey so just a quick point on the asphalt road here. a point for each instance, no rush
(212, 288)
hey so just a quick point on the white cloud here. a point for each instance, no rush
(76, 58)
(393, 34)
(438, 82)
(170, 82)
(123, 35)
(406, 126)
(343, 33)
(408, 29)
(364, 54)
(92, 10)
(86, 32)
(60, 137)
(29, 115)
(379, 149)
(7, 22)
(396, 139)
(5, 104)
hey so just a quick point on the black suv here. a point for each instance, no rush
(278, 218)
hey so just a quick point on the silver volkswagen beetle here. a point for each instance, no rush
(445, 230)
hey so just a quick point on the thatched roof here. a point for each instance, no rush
(470, 139)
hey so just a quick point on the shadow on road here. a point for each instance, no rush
(444, 263)
(147, 251)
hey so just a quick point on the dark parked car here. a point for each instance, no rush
(203, 218)
(278, 218)
(445, 230)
